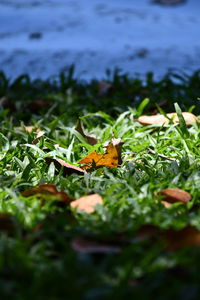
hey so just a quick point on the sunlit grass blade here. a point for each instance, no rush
(183, 126)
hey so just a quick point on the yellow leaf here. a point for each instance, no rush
(110, 159)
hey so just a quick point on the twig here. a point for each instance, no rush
(160, 155)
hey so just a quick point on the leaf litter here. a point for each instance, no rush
(106, 188)
(110, 159)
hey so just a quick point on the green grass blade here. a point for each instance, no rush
(183, 126)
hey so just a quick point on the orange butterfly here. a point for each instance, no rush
(111, 159)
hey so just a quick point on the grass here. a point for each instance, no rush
(37, 256)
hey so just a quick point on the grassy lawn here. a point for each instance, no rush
(133, 243)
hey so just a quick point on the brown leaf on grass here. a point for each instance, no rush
(39, 132)
(47, 189)
(162, 120)
(110, 159)
(86, 245)
(87, 203)
(68, 169)
(173, 195)
(187, 237)
(91, 139)
(7, 223)
(173, 239)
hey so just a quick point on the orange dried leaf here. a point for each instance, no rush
(47, 189)
(162, 120)
(111, 159)
(68, 168)
(87, 203)
(173, 195)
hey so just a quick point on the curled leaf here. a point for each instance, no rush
(172, 195)
(162, 120)
(47, 189)
(87, 203)
(68, 169)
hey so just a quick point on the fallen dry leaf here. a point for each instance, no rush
(85, 245)
(68, 169)
(162, 120)
(87, 203)
(189, 236)
(111, 159)
(7, 222)
(47, 189)
(173, 195)
(92, 140)
(173, 239)
(29, 128)
(39, 132)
